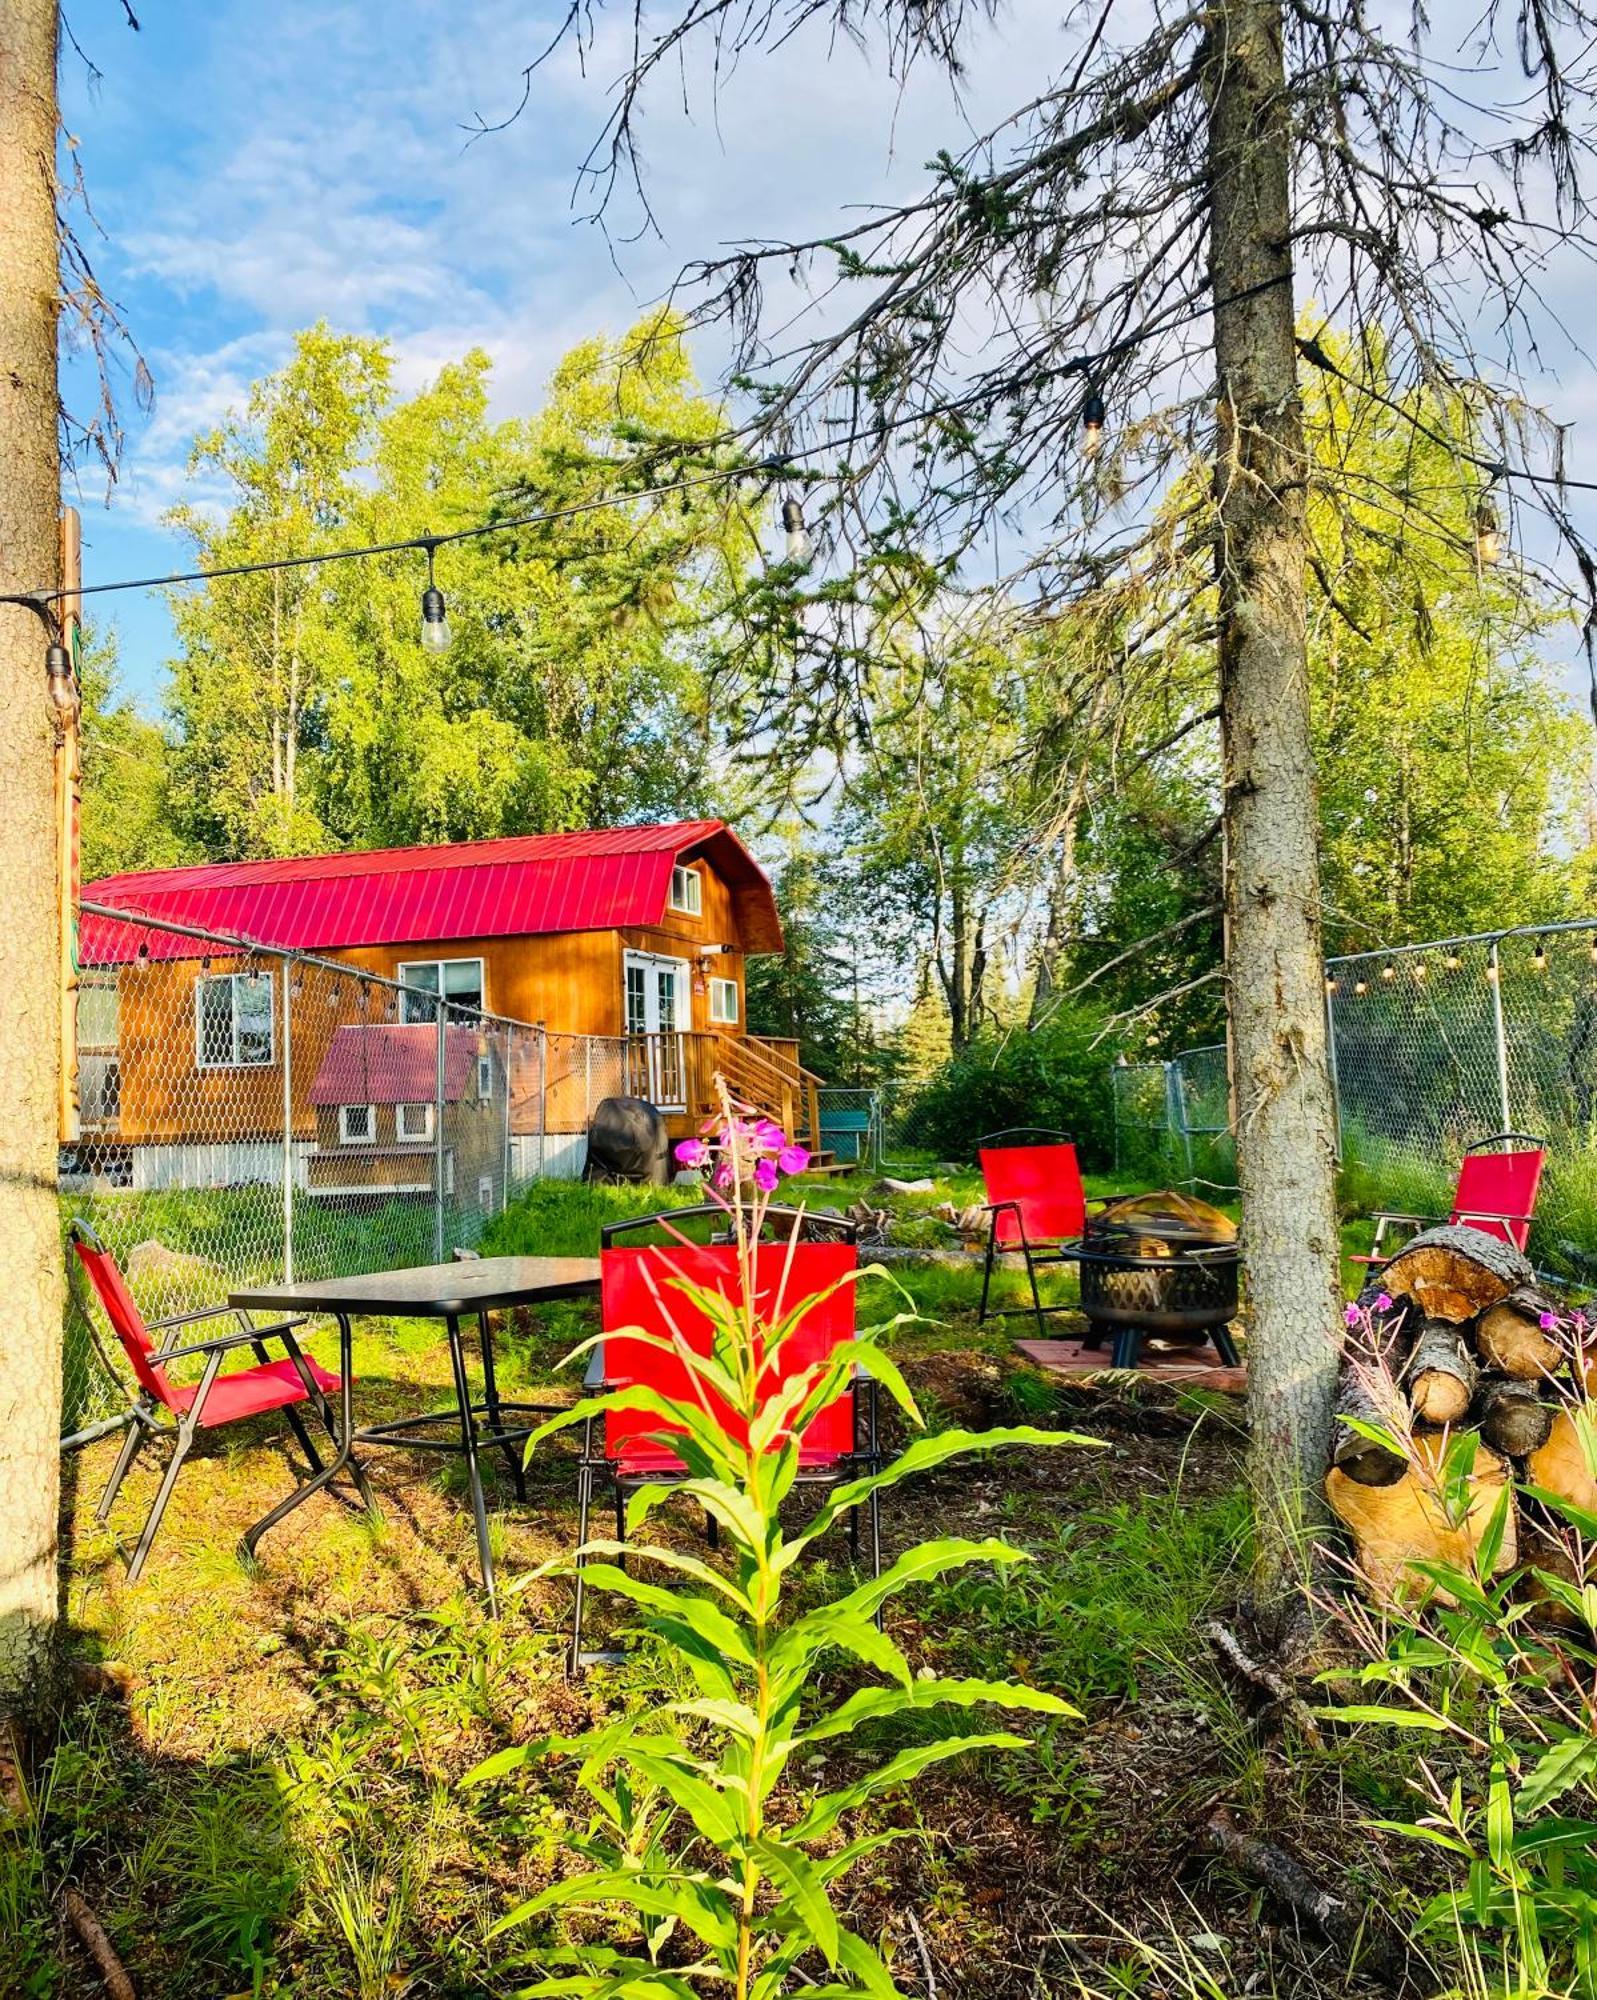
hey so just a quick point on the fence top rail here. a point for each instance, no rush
(1489, 938)
(243, 947)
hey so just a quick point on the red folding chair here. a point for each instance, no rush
(215, 1399)
(1037, 1205)
(1496, 1193)
(637, 1294)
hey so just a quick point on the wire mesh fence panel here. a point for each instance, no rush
(851, 1124)
(1148, 1143)
(1439, 1046)
(247, 1114)
(1201, 1108)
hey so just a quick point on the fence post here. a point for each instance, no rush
(1336, 1081)
(1494, 970)
(287, 966)
(438, 1133)
(543, 1099)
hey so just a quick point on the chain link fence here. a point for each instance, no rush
(246, 1113)
(1433, 1047)
(1173, 1121)
(1440, 1044)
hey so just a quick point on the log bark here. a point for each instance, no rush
(30, 1052)
(1395, 1526)
(1512, 1417)
(1456, 1272)
(1358, 1457)
(1357, 1935)
(1512, 1340)
(1275, 986)
(1441, 1373)
(1560, 1464)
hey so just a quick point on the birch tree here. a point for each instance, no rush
(1101, 293)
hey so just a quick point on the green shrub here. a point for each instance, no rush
(1058, 1076)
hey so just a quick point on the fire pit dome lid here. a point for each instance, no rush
(1166, 1212)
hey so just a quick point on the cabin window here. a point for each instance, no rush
(687, 891)
(233, 1021)
(357, 1124)
(462, 987)
(724, 1001)
(485, 1193)
(415, 1121)
(485, 1076)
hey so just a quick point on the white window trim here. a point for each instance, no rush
(693, 886)
(269, 1060)
(411, 965)
(405, 1138)
(485, 1076)
(348, 1138)
(719, 988)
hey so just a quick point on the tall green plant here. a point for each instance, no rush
(706, 1830)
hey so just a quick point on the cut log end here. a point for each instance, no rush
(1441, 1374)
(1512, 1416)
(1393, 1527)
(1512, 1339)
(1455, 1272)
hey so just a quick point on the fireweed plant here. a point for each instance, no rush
(711, 1860)
(1498, 1674)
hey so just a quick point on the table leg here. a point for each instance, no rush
(468, 1442)
(490, 1390)
(343, 1456)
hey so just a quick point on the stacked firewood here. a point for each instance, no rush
(1455, 1334)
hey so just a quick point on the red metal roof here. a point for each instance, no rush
(531, 883)
(384, 1063)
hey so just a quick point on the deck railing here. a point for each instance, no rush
(678, 1072)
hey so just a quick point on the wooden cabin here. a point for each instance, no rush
(597, 964)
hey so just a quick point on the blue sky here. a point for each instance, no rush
(257, 168)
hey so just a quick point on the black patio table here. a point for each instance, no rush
(450, 1292)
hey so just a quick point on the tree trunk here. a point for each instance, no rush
(1285, 1134)
(30, 1054)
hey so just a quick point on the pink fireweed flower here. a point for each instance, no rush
(1383, 1304)
(765, 1176)
(793, 1159)
(1351, 1314)
(1548, 1322)
(692, 1152)
(768, 1133)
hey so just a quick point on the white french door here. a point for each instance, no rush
(656, 997)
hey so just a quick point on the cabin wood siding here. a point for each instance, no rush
(570, 982)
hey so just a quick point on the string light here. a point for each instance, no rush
(1591, 951)
(794, 530)
(1491, 974)
(1092, 422)
(1452, 961)
(435, 632)
(1361, 986)
(1389, 973)
(1538, 958)
(1421, 971)
(63, 686)
(1330, 983)
(1488, 534)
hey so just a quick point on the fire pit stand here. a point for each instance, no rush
(1168, 1272)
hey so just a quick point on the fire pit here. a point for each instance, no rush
(1160, 1264)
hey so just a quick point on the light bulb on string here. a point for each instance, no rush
(1538, 958)
(1488, 527)
(1491, 974)
(1092, 423)
(1361, 986)
(435, 632)
(796, 537)
(1330, 982)
(1421, 972)
(1452, 961)
(1388, 973)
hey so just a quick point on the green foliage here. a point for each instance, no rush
(127, 810)
(1500, 1707)
(709, 1848)
(1057, 1076)
(308, 712)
